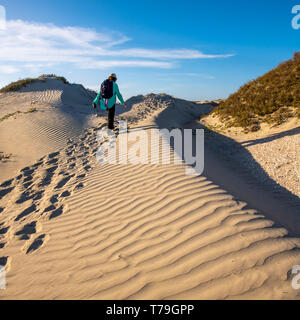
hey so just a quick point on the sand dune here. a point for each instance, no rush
(71, 228)
(62, 111)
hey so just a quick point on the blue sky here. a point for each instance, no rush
(193, 50)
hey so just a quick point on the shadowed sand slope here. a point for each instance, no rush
(72, 228)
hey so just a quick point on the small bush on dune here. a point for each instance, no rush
(4, 156)
(30, 110)
(54, 76)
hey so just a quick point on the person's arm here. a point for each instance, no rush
(119, 95)
(96, 101)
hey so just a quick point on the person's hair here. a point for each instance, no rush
(112, 78)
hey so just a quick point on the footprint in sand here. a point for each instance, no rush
(48, 177)
(49, 208)
(54, 199)
(28, 179)
(38, 195)
(72, 166)
(85, 162)
(25, 196)
(3, 261)
(4, 230)
(36, 244)
(27, 185)
(26, 212)
(38, 164)
(6, 183)
(27, 171)
(4, 192)
(53, 161)
(57, 212)
(27, 230)
(29, 194)
(69, 153)
(65, 194)
(63, 182)
(53, 155)
(79, 186)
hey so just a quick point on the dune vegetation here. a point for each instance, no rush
(8, 115)
(4, 156)
(17, 85)
(14, 114)
(54, 76)
(272, 98)
(31, 110)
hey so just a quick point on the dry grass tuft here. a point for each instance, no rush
(269, 98)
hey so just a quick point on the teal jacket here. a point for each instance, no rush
(112, 101)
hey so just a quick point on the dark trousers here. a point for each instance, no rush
(111, 117)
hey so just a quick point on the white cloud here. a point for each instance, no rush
(8, 69)
(125, 63)
(169, 54)
(37, 45)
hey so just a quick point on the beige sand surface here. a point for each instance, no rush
(62, 112)
(275, 148)
(71, 228)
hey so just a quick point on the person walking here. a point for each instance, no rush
(107, 97)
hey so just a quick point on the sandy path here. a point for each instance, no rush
(74, 229)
